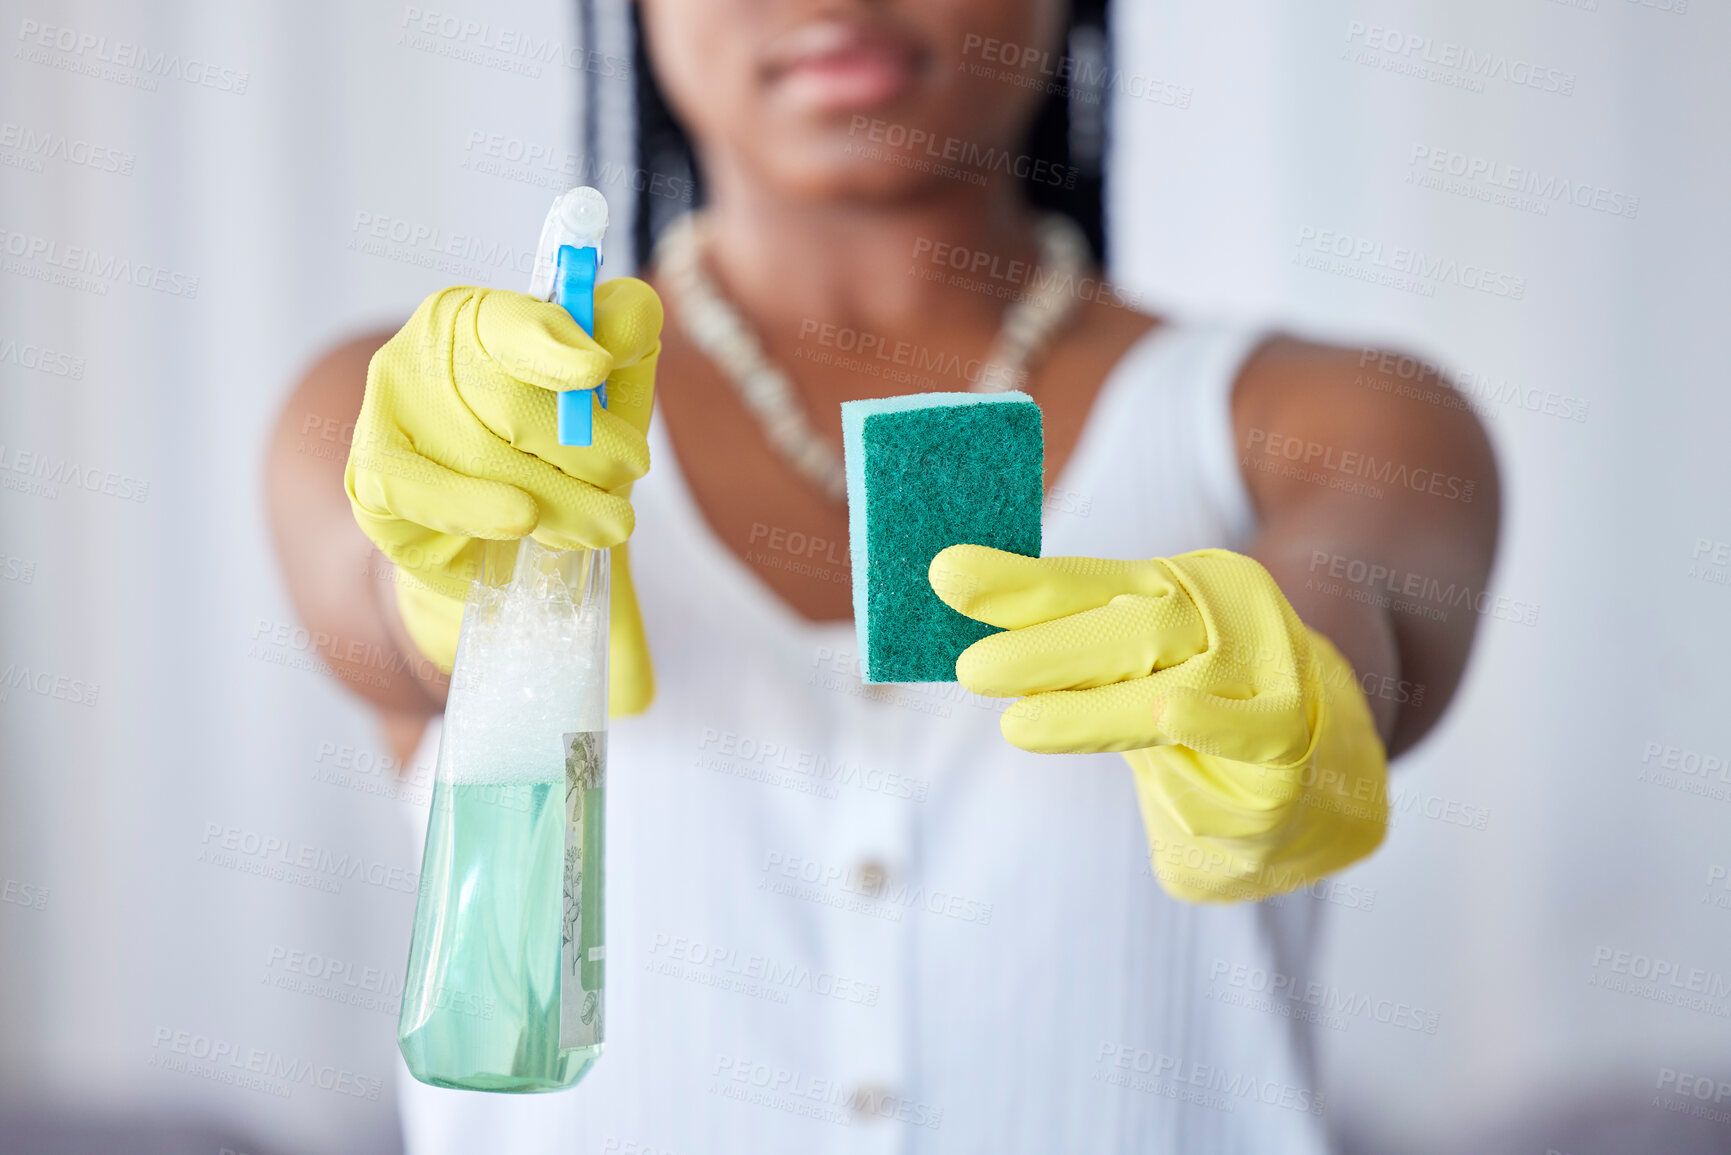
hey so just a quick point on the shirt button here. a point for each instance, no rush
(872, 876)
(871, 1101)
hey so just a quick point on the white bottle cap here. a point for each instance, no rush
(583, 213)
(578, 218)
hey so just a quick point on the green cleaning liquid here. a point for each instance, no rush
(482, 1005)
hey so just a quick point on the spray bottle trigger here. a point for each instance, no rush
(574, 291)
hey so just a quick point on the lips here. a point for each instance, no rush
(844, 65)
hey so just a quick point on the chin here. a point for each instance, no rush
(839, 168)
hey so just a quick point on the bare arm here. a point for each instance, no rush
(341, 586)
(1379, 503)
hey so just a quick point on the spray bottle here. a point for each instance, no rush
(507, 961)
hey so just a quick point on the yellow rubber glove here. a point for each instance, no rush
(1256, 761)
(457, 445)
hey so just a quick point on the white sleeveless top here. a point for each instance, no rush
(854, 919)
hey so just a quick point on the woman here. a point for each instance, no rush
(849, 916)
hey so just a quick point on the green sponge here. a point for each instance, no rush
(924, 472)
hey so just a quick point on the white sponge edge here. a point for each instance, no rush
(853, 419)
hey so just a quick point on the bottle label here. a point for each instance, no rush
(582, 966)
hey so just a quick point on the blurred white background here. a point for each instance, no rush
(1538, 835)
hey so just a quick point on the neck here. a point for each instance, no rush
(788, 263)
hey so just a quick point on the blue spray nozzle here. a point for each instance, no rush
(574, 291)
(566, 263)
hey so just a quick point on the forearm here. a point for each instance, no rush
(1360, 628)
(1395, 591)
(342, 589)
(1405, 624)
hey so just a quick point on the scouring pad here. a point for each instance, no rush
(925, 472)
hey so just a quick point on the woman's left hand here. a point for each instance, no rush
(1257, 763)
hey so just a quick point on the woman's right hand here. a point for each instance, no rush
(456, 445)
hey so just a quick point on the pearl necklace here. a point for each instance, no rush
(716, 328)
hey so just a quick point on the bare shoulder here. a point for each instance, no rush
(1318, 423)
(311, 436)
(343, 362)
(328, 394)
